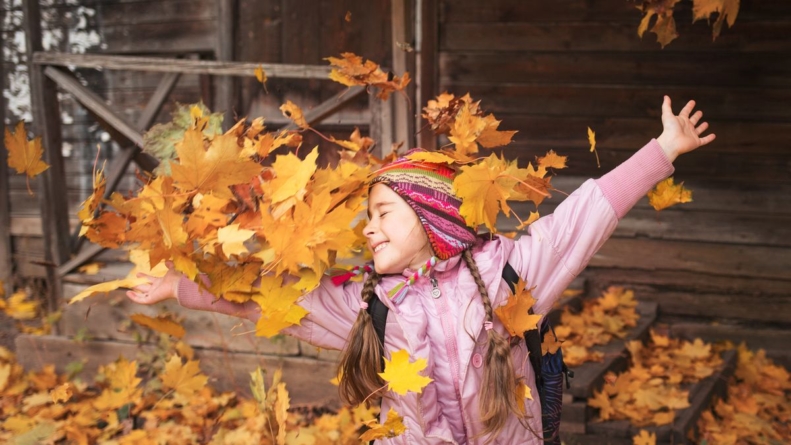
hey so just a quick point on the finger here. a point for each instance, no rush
(142, 288)
(707, 139)
(687, 109)
(137, 297)
(701, 128)
(696, 117)
(666, 109)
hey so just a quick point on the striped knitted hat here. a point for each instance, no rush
(428, 188)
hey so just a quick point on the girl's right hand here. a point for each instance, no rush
(158, 289)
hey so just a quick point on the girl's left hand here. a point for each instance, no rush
(681, 134)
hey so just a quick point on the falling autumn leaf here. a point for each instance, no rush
(592, 142)
(726, 10)
(644, 438)
(667, 194)
(24, 156)
(185, 378)
(484, 189)
(402, 375)
(162, 323)
(393, 427)
(350, 69)
(515, 313)
(293, 112)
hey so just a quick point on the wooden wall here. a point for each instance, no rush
(551, 69)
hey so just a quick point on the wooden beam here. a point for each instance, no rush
(172, 65)
(330, 106)
(403, 37)
(427, 68)
(118, 166)
(381, 126)
(52, 183)
(6, 259)
(225, 97)
(94, 103)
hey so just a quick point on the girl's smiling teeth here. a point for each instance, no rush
(380, 246)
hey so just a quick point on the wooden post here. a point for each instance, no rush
(403, 36)
(225, 94)
(381, 128)
(6, 258)
(427, 82)
(52, 183)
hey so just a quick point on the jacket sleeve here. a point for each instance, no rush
(332, 310)
(558, 246)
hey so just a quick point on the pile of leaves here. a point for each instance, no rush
(757, 410)
(600, 320)
(657, 382)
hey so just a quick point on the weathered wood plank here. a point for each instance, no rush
(403, 33)
(187, 66)
(506, 11)
(603, 36)
(713, 259)
(623, 101)
(115, 13)
(631, 133)
(429, 67)
(46, 123)
(164, 38)
(623, 68)
(307, 379)
(6, 259)
(330, 106)
(225, 93)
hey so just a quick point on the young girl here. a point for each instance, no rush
(441, 283)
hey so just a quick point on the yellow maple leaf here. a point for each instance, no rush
(122, 385)
(552, 160)
(402, 375)
(185, 378)
(484, 189)
(533, 217)
(90, 268)
(19, 307)
(278, 306)
(260, 74)
(62, 393)
(293, 112)
(644, 438)
(592, 142)
(281, 406)
(490, 137)
(514, 314)
(214, 169)
(162, 323)
(292, 176)
(24, 156)
(233, 282)
(393, 427)
(208, 213)
(434, 157)
(665, 25)
(232, 239)
(466, 129)
(667, 194)
(108, 286)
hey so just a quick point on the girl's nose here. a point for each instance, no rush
(369, 228)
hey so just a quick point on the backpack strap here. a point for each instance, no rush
(533, 336)
(378, 312)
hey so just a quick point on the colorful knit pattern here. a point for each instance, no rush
(428, 189)
(398, 293)
(340, 276)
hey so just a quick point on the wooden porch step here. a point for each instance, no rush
(307, 379)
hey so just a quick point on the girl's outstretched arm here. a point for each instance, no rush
(332, 309)
(559, 246)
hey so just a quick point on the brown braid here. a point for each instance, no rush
(361, 359)
(499, 387)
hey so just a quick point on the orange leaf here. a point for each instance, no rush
(24, 156)
(667, 194)
(393, 427)
(484, 189)
(514, 314)
(162, 323)
(644, 438)
(185, 378)
(293, 112)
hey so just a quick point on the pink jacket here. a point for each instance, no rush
(447, 331)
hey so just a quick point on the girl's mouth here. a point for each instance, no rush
(381, 246)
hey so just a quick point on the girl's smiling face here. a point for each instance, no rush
(395, 235)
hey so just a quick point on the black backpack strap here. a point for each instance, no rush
(378, 312)
(533, 336)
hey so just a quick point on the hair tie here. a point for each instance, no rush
(398, 293)
(364, 306)
(340, 276)
(488, 325)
